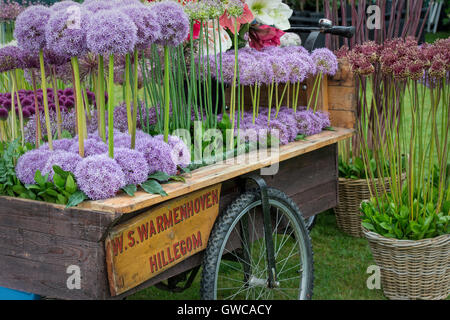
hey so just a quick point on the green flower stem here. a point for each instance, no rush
(45, 100)
(101, 98)
(12, 118)
(58, 107)
(313, 91)
(79, 105)
(128, 92)
(36, 109)
(281, 99)
(135, 100)
(19, 105)
(166, 93)
(270, 100)
(111, 106)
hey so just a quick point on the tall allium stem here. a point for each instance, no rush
(111, 106)
(79, 105)
(19, 104)
(58, 107)
(45, 100)
(36, 110)
(128, 92)
(233, 84)
(101, 98)
(135, 100)
(166, 93)
(13, 113)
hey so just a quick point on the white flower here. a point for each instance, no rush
(290, 39)
(262, 10)
(281, 15)
(213, 33)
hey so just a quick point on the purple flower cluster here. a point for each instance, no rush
(286, 126)
(9, 10)
(98, 175)
(173, 21)
(30, 28)
(402, 59)
(66, 101)
(9, 59)
(271, 65)
(68, 161)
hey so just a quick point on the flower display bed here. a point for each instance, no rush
(40, 240)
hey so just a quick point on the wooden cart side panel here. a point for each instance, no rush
(39, 241)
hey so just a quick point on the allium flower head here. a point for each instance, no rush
(64, 5)
(30, 28)
(91, 147)
(148, 28)
(99, 177)
(3, 114)
(59, 145)
(96, 6)
(29, 163)
(325, 60)
(173, 21)
(158, 155)
(9, 58)
(67, 161)
(133, 164)
(111, 32)
(181, 154)
(66, 32)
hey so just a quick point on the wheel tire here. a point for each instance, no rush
(310, 222)
(230, 218)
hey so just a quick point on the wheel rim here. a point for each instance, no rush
(241, 270)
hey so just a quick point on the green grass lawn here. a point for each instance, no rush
(340, 264)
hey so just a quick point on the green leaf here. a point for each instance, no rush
(66, 135)
(153, 187)
(368, 226)
(61, 172)
(130, 189)
(71, 186)
(178, 178)
(59, 181)
(76, 198)
(40, 180)
(33, 187)
(329, 129)
(19, 189)
(60, 199)
(160, 176)
(300, 137)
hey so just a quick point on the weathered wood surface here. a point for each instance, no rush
(218, 173)
(39, 241)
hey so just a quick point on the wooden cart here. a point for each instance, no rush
(125, 244)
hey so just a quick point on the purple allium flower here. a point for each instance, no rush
(133, 164)
(122, 140)
(64, 5)
(3, 114)
(59, 145)
(52, 58)
(96, 6)
(9, 58)
(66, 32)
(30, 28)
(173, 21)
(111, 32)
(158, 155)
(148, 28)
(181, 154)
(67, 161)
(99, 177)
(29, 163)
(91, 147)
(326, 61)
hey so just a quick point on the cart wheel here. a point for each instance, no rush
(235, 261)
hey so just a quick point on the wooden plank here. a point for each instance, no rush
(50, 280)
(53, 219)
(160, 238)
(217, 173)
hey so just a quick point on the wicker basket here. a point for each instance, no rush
(412, 269)
(351, 194)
